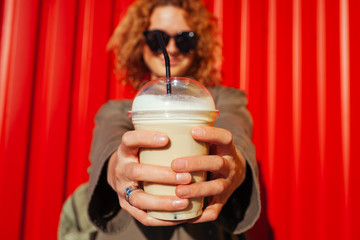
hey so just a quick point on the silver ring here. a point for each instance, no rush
(128, 191)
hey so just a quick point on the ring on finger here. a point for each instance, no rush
(128, 191)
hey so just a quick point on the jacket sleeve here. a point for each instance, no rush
(74, 222)
(243, 207)
(111, 122)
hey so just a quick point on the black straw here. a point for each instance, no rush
(167, 60)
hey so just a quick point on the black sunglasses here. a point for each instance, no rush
(185, 41)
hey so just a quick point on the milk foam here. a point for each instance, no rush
(172, 102)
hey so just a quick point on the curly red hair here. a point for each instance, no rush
(127, 41)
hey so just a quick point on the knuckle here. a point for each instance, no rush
(134, 172)
(146, 223)
(220, 187)
(228, 137)
(121, 202)
(212, 216)
(118, 188)
(219, 163)
(134, 200)
(125, 139)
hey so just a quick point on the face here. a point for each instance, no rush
(171, 20)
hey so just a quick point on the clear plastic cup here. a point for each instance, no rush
(189, 105)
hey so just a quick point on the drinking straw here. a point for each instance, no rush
(167, 61)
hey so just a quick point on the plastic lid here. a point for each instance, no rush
(187, 97)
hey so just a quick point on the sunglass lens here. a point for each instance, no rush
(153, 42)
(186, 41)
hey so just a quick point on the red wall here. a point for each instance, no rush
(296, 59)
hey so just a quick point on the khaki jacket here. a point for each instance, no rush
(108, 221)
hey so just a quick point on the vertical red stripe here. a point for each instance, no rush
(345, 93)
(321, 108)
(345, 108)
(333, 153)
(321, 81)
(271, 96)
(354, 67)
(6, 45)
(296, 116)
(86, 55)
(297, 88)
(231, 42)
(271, 104)
(244, 47)
(218, 13)
(7, 41)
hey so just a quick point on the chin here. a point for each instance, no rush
(177, 74)
(174, 71)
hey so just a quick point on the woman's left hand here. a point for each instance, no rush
(226, 165)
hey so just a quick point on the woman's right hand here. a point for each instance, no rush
(124, 170)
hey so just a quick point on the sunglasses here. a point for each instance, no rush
(184, 41)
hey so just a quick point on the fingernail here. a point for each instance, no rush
(184, 191)
(182, 177)
(180, 164)
(159, 138)
(179, 203)
(198, 132)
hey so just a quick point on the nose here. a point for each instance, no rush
(171, 47)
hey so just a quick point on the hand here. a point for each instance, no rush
(124, 170)
(225, 164)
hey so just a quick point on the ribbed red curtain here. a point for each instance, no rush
(296, 59)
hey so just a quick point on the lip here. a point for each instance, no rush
(173, 61)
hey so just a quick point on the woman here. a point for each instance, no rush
(232, 193)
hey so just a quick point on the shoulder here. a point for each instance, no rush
(112, 107)
(116, 105)
(228, 95)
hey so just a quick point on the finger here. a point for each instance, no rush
(158, 174)
(132, 140)
(218, 136)
(211, 163)
(202, 189)
(210, 213)
(145, 201)
(147, 220)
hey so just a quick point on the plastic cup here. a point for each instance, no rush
(189, 105)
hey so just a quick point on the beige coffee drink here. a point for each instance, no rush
(189, 105)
